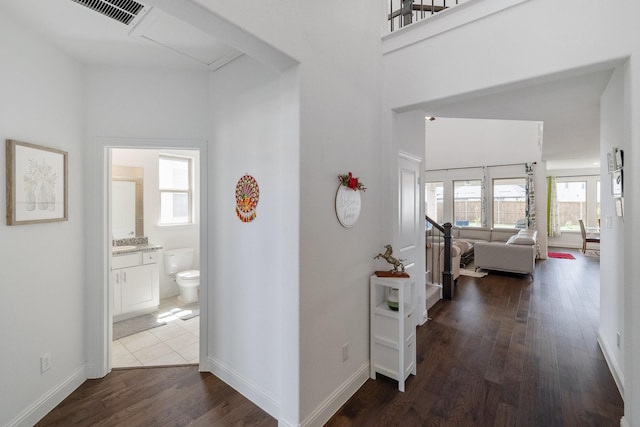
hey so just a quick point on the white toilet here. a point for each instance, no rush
(178, 262)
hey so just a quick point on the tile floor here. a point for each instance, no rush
(176, 343)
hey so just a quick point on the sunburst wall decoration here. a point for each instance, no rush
(247, 195)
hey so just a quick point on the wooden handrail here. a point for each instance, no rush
(418, 8)
(435, 224)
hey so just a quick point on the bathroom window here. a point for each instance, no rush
(176, 190)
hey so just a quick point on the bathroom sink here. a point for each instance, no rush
(122, 248)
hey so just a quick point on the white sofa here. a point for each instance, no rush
(516, 255)
(511, 250)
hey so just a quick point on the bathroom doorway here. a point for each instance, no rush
(153, 209)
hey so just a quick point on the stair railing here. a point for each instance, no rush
(437, 235)
(405, 12)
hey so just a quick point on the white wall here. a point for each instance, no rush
(520, 54)
(612, 272)
(42, 306)
(169, 237)
(146, 103)
(247, 262)
(339, 80)
(453, 143)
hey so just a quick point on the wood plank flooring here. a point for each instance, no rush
(508, 351)
(169, 396)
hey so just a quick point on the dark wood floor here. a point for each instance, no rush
(173, 396)
(508, 351)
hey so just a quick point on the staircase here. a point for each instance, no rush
(434, 294)
(439, 266)
(405, 12)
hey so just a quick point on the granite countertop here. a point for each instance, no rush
(138, 248)
(133, 245)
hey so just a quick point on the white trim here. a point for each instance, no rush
(409, 156)
(623, 422)
(98, 331)
(47, 402)
(250, 390)
(444, 21)
(612, 363)
(339, 397)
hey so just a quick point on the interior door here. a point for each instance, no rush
(411, 227)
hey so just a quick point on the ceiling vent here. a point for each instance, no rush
(123, 11)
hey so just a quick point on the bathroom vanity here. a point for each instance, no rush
(135, 281)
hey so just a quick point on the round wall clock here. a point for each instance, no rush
(348, 205)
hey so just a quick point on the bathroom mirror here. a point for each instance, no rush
(127, 219)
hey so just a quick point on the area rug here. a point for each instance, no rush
(561, 255)
(473, 273)
(134, 325)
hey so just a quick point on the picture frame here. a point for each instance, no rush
(619, 206)
(610, 161)
(37, 183)
(618, 159)
(617, 184)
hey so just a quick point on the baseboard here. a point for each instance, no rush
(335, 400)
(41, 407)
(618, 376)
(245, 387)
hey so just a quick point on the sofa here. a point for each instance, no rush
(467, 237)
(509, 250)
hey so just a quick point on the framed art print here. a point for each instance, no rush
(36, 183)
(611, 161)
(617, 184)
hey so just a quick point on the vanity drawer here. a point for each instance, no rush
(150, 257)
(124, 261)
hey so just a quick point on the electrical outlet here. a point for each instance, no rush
(345, 352)
(618, 339)
(45, 362)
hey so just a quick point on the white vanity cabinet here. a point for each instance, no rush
(393, 333)
(135, 284)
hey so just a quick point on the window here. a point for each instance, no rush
(467, 204)
(509, 203)
(572, 204)
(433, 200)
(175, 190)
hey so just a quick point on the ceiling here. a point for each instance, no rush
(569, 106)
(153, 39)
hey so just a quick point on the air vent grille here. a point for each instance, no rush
(121, 10)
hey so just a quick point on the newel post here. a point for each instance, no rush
(447, 274)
